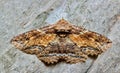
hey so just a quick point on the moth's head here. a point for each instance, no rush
(62, 26)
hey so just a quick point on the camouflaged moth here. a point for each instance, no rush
(61, 41)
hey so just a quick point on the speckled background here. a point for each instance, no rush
(18, 16)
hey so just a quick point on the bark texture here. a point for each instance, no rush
(18, 16)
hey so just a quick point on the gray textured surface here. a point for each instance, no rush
(18, 16)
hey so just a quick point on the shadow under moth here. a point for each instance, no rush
(61, 41)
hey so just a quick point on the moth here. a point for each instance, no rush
(61, 41)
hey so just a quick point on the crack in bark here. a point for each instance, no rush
(89, 67)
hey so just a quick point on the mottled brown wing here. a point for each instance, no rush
(91, 43)
(32, 42)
